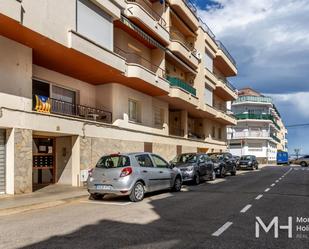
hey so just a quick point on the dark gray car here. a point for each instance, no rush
(194, 166)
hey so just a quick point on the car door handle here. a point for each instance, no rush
(145, 171)
(160, 172)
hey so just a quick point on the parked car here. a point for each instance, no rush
(236, 158)
(302, 161)
(223, 163)
(194, 166)
(248, 162)
(132, 174)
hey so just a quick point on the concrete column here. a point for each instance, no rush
(76, 161)
(22, 161)
(184, 122)
(10, 148)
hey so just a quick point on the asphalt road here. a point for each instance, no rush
(220, 214)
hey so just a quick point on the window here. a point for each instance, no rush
(111, 161)
(144, 161)
(220, 133)
(208, 62)
(95, 24)
(213, 132)
(63, 94)
(158, 116)
(134, 111)
(159, 162)
(208, 96)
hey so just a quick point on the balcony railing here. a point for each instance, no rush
(179, 83)
(226, 52)
(249, 134)
(56, 106)
(149, 8)
(254, 116)
(274, 137)
(228, 84)
(191, 7)
(205, 27)
(258, 99)
(135, 58)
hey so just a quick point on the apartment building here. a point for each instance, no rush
(88, 77)
(260, 130)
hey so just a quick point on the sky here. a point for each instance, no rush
(270, 41)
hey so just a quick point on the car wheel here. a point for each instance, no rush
(177, 184)
(233, 172)
(213, 176)
(96, 197)
(222, 172)
(137, 193)
(303, 164)
(197, 179)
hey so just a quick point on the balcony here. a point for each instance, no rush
(211, 77)
(210, 37)
(144, 70)
(224, 61)
(210, 110)
(253, 99)
(175, 82)
(225, 118)
(142, 13)
(275, 138)
(244, 116)
(187, 11)
(249, 135)
(183, 48)
(59, 107)
(226, 90)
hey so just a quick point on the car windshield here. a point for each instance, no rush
(113, 161)
(192, 159)
(245, 158)
(183, 158)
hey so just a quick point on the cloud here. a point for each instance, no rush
(268, 38)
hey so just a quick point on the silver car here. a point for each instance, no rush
(132, 174)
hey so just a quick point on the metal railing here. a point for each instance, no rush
(254, 116)
(228, 84)
(205, 27)
(249, 134)
(149, 8)
(135, 58)
(191, 7)
(80, 111)
(274, 137)
(226, 52)
(258, 99)
(179, 83)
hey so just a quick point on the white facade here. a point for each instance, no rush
(256, 130)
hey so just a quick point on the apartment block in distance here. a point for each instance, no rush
(88, 77)
(260, 130)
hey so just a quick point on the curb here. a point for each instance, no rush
(37, 206)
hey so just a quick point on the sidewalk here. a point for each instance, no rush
(49, 196)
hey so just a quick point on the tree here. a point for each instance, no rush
(297, 152)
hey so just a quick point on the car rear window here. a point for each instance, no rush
(113, 161)
(245, 158)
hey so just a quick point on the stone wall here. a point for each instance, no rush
(23, 161)
(91, 149)
(167, 151)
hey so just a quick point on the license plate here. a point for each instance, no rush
(103, 187)
(243, 166)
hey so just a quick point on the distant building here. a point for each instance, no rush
(260, 130)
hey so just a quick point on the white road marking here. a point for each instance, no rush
(246, 208)
(258, 197)
(222, 229)
(107, 203)
(277, 181)
(266, 190)
(273, 185)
